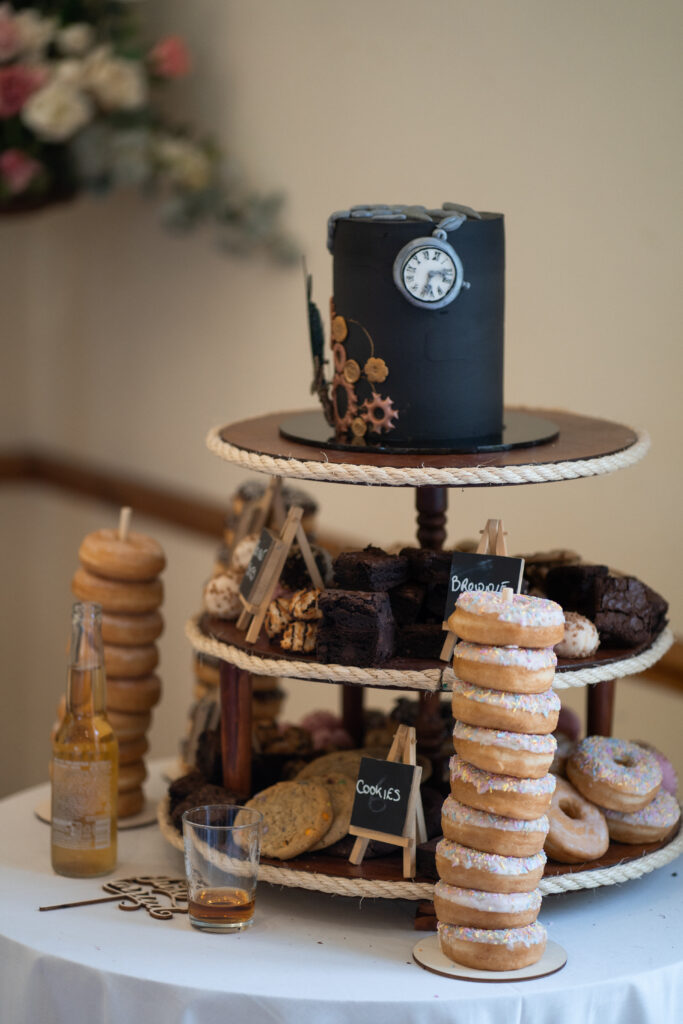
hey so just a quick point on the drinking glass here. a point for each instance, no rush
(222, 847)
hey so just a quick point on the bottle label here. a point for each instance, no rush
(81, 804)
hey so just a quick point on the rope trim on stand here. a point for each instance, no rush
(408, 890)
(432, 680)
(427, 476)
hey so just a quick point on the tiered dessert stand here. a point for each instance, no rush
(584, 447)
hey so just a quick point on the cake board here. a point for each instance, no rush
(427, 953)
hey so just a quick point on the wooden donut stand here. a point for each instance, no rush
(584, 447)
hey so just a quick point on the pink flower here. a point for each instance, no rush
(17, 83)
(18, 170)
(170, 58)
(10, 37)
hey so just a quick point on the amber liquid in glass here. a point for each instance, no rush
(222, 908)
(84, 762)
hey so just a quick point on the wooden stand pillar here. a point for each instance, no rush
(236, 729)
(352, 713)
(600, 708)
(431, 504)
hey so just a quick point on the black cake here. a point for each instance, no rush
(417, 327)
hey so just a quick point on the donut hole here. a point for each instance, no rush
(570, 808)
(625, 760)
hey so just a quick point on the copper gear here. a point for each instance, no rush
(343, 423)
(379, 413)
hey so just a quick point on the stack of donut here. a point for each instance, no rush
(624, 780)
(120, 571)
(491, 858)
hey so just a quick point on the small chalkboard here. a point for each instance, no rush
(472, 572)
(251, 573)
(383, 791)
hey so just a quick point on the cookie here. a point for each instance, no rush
(304, 605)
(341, 789)
(345, 761)
(295, 817)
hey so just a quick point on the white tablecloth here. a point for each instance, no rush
(309, 958)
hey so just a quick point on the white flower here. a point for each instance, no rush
(116, 83)
(56, 112)
(34, 32)
(70, 71)
(76, 39)
(185, 163)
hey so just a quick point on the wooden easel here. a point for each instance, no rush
(255, 514)
(261, 594)
(492, 543)
(403, 749)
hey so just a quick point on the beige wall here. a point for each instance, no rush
(124, 346)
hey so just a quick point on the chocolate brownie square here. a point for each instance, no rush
(406, 603)
(427, 566)
(420, 641)
(574, 587)
(357, 628)
(629, 613)
(435, 603)
(371, 570)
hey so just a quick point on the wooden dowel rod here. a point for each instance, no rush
(85, 903)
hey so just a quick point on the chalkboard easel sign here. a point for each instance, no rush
(489, 568)
(387, 804)
(265, 566)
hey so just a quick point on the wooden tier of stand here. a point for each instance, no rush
(585, 446)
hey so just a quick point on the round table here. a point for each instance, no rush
(308, 957)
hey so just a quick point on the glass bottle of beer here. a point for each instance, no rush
(84, 759)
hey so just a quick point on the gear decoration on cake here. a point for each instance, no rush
(379, 413)
(339, 358)
(351, 371)
(339, 329)
(376, 370)
(359, 427)
(343, 420)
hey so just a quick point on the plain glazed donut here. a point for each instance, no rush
(497, 949)
(130, 662)
(493, 833)
(581, 638)
(578, 830)
(133, 695)
(476, 909)
(524, 755)
(138, 557)
(129, 725)
(501, 794)
(130, 802)
(131, 630)
(488, 617)
(131, 775)
(133, 750)
(495, 709)
(473, 869)
(614, 773)
(115, 595)
(648, 825)
(513, 669)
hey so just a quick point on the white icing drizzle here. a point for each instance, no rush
(531, 743)
(528, 703)
(494, 902)
(459, 814)
(485, 782)
(532, 659)
(522, 610)
(530, 935)
(495, 863)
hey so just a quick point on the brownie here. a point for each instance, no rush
(208, 759)
(629, 613)
(406, 603)
(182, 787)
(626, 612)
(206, 794)
(435, 603)
(574, 587)
(427, 566)
(538, 565)
(295, 575)
(424, 640)
(370, 570)
(357, 628)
